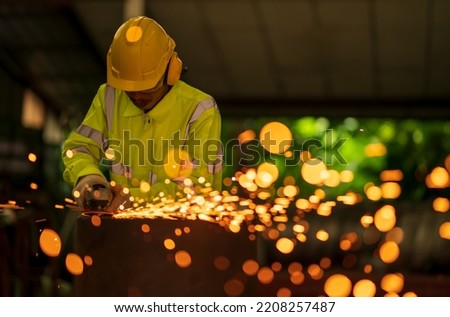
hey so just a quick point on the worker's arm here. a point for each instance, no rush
(82, 153)
(205, 148)
(83, 149)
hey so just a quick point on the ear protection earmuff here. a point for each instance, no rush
(174, 69)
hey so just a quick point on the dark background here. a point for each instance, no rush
(381, 62)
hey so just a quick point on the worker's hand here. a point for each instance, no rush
(121, 198)
(85, 186)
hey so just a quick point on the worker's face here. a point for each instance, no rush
(147, 99)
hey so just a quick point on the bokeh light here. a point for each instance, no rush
(74, 264)
(169, 244)
(96, 221)
(50, 242)
(234, 287)
(338, 285)
(250, 267)
(364, 288)
(265, 275)
(275, 137)
(285, 245)
(284, 292)
(441, 204)
(222, 263)
(177, 163)
(385, 218)
(389, 252)
(183, 259)
(313, 170)
(392, 283)
(444, 230)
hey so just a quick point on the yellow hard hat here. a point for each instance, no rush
(139, 55)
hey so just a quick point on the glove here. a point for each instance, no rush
(84, 191)
(117, 197)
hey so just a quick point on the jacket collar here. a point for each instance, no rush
(161, 109)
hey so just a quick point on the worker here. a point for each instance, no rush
(147, 133)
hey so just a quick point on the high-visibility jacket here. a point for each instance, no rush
(179, 138)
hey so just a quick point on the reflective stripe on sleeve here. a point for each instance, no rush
(215, 167)
(92, 134)
(152, 178)
(80, 149)
(116, 168)
(123, 170)
(109, 104)
(201, 107)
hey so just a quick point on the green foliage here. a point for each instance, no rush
(413, 146)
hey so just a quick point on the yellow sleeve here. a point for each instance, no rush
(204, 145)
(83, 148)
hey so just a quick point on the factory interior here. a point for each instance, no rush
(363, 85)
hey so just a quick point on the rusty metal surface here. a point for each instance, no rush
(127, 261)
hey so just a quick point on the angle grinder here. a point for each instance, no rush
(98, 197)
